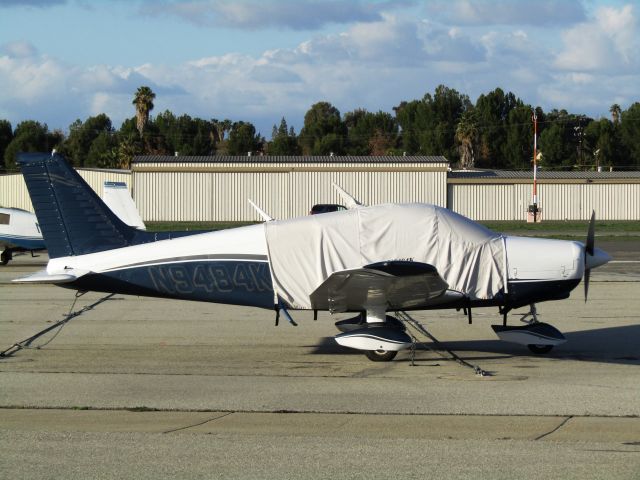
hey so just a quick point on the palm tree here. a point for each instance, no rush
(615, 112)
(467, 136)
(143, 101)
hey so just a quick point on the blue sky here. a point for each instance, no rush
(261, 60)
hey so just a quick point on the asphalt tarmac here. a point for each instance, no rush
(150, 388)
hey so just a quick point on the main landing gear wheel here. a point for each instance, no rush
(380, 355)
(540, 349)
(5, 257)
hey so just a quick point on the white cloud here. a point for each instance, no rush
(609, 42)
(19, 49)
(29, 80)
(374, 65)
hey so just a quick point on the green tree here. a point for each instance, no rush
(630, 134)
(143, 100)
(31, 136)
(467, 138)
(183, 134)
(103, 151)
(406, 115)
(323, 132)
(615, 113)
(518, 149)
(283, 140)
(6, 135)
(129, 144)
(429, 125)
(602, 135)
(243, 139)
(563, 142)
(370, 133)
(81, 136)
(492, 112)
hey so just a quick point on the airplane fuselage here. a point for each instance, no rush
(232, 267)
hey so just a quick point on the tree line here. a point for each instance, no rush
(495, 132)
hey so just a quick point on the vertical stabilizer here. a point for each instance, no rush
(73, 219)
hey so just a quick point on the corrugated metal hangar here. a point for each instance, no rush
(204, 188)
(217, 188)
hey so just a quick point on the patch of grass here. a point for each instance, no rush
(607, 229)
(192, 226)
(564, 226)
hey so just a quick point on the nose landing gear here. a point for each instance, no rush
(539, 337)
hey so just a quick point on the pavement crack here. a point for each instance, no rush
(562, 424)
(198, 424)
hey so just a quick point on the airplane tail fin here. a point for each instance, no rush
(72, 217)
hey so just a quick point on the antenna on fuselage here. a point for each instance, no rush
(349, 200)
(265, 216)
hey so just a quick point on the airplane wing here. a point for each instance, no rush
(396, 285)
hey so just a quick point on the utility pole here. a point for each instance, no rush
(533, 213)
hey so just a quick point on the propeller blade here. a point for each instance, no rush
(587, 274)
(589, 249)
(591, 241)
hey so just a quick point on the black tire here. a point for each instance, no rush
(5, 257)
(540, 349)
(380, 355)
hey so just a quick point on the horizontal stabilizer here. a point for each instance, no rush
(43, 277)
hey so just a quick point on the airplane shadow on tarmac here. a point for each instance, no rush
(619, 345)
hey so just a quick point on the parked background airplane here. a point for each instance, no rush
(20, 232)
(368, 260)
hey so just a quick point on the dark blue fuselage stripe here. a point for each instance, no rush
(28, 243)
(230, 282)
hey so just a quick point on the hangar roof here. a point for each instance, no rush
(542, 175)
(287, 159)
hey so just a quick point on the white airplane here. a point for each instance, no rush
(372, 260)
(20, 232)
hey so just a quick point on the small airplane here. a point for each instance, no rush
(20, 232)
(370, 260)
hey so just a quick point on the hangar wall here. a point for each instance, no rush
(166, 189)
(613, 195)
(202, 189)
(13, 190)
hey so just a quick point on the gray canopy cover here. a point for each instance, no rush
(304, 252)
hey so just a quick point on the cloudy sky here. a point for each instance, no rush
(259, 60)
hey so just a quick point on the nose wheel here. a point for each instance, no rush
(380, 355)
(540, 349)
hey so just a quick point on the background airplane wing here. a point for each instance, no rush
(395, 285)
